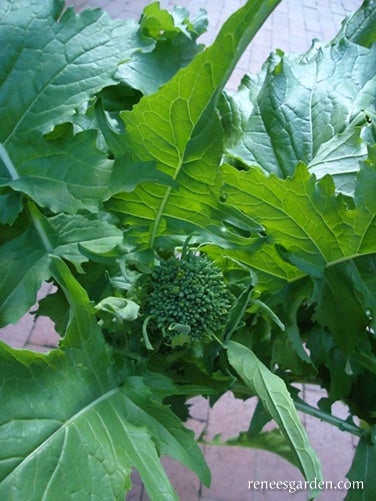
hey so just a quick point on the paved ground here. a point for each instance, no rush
(291, 28)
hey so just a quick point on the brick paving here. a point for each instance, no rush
(291, 28)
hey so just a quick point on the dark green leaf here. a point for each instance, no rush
(10, 207)
(271, 441)
(51, 67)
(64, 175)
(259, 419)
(360, 26)
(175, 48)
(26, 260)
(343, 306)
(362, 472)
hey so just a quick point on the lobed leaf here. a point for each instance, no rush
(175, 37)
(56, 63)
(53, 63)
(308, 225)
(178, 128)
(359, 27)
(66, 175)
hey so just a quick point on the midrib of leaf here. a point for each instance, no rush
(163, 206)
(310, 115)
(57, 465)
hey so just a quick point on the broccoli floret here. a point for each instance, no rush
(187, 296)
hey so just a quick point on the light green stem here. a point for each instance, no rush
(8, 163)
(34, 214)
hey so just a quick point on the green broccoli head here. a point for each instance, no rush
(187, 296)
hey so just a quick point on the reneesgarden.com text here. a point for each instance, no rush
(301, 485)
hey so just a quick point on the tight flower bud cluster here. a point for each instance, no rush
(189, 292)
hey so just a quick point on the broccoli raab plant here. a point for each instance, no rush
(199, 242)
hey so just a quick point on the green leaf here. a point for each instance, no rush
(275, 397)
(311, 108)
(362, 471)
(10, 207)
(288, 348)
(308, 225)
(26, 260)
(54, 63)
(327, 357)
(176, 46)
(178, 128)
(64, 175)
(345, 305)
(259, 419)
(70, 421)
(360, 26)
(271, 441)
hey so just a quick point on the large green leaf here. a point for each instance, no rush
(178, 128)
(66, 175)
(51, 65)
(313, 232)
(307, 223)
(345, 305)
(54, 64)
(314, 109)
(26, 259)
(276, 399)
(73, 422)
(71, 174)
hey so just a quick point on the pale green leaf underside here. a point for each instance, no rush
(273, 394)
(311, 109)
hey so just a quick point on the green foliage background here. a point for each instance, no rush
(105, 170)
